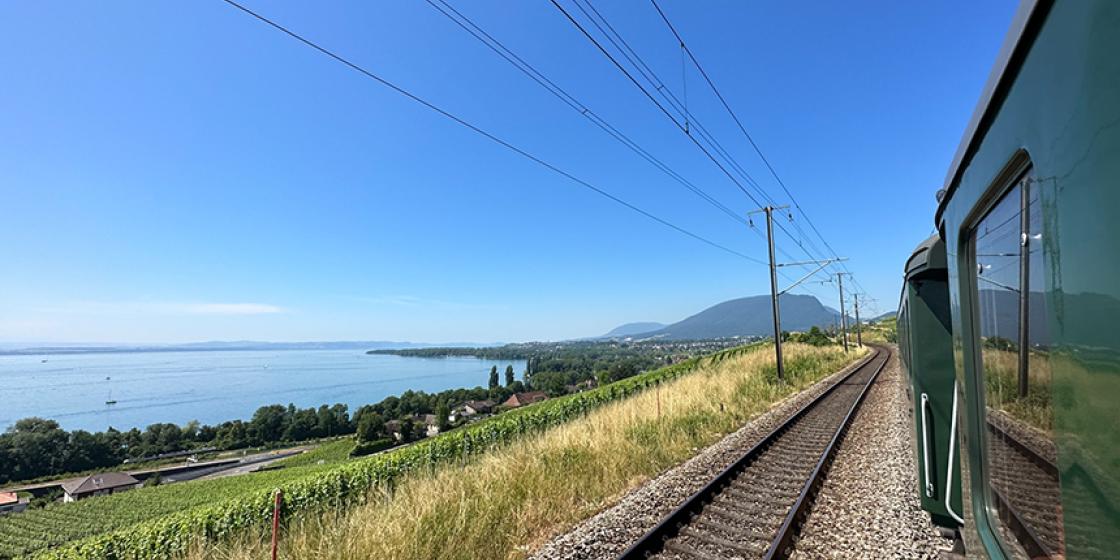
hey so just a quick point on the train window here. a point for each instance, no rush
(1014, 351)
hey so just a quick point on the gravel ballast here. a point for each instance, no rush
(868, 506)
(611, 531)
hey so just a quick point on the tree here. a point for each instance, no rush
(509, 375)
(302, 425)
(552, 382)
(268, 424)
(816, 337)
(232, 435)
(493, 377)
(370, 427)
(407, 429)
(443, 413)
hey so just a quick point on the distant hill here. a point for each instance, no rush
(634, 328)
(887, 315)
(749, 316)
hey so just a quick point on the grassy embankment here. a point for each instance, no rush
(1001, 376)
(505, 503)
(882, 331)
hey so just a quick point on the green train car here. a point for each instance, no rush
(1027, 222)
(925, 344)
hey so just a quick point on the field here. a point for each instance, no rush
(505, 503)
(164, 521)
(883, 331)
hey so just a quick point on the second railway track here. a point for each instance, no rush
(754, 508)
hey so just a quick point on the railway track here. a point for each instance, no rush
(1027, 494)
(754, 508)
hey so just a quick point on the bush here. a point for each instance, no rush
(370, 447)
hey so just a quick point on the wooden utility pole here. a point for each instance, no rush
(279, 497)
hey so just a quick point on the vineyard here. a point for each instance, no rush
(161, 522)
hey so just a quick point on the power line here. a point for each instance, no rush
(635, 60)
(650, 96)
(574, 103)
(571, 101)
(743, 129)
(482, 132)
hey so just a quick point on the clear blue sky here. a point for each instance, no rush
(180, 171)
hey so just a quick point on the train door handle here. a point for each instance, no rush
(925, 445)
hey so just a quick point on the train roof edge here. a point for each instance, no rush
(1020, 36)
(928, 255)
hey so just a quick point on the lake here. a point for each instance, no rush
(214, 386)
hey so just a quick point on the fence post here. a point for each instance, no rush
(276, 521)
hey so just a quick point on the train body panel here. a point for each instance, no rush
(1033, 254)
(926, 348)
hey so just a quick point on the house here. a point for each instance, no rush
(430, 423)
(100, 484)
(473, 408)
(581, 386)
(11, 503)
(393, 428)
(522, 399)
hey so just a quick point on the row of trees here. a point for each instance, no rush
(510, 380)
(35, 448)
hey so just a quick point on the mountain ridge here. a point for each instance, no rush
(747, 316)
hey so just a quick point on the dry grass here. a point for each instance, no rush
(508, 502)
(1001, 377)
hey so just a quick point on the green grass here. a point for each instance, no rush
(61, 523)
(329, 452)
(1001, 378)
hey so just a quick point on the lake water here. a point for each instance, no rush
(214, 386)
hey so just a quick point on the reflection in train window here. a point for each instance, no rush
(1014, 350)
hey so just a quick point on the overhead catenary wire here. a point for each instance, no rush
(575, 104)
(480, 34)
(746, 134)
(484, 133)
(627, 52)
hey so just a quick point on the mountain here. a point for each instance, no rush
(749, 316)
(887, 315)
(630, 329)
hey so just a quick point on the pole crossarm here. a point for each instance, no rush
(821, 264)
(767, 209)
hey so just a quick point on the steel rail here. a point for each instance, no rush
(654, 539)
(1032, 542)
(1026, 450)
(782, 541)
